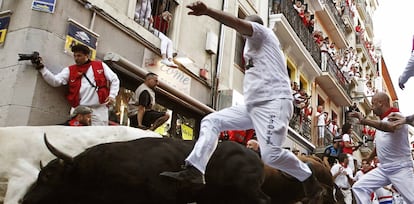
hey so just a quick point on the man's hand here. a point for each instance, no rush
(400, 84)
(38, 63)
(397, 119)
(109, 101)
(355, 114)
(198, 8)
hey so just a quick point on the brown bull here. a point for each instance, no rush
(285, 189)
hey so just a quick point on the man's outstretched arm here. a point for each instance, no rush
(244, 27)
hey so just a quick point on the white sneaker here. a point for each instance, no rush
(169, 63)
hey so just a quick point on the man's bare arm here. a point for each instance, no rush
(244, 27)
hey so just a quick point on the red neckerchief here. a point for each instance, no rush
(391, 110)
(75, 122)
(344, 165)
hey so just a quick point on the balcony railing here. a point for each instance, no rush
(332, 8)
(327, 138)
(302, 126)
(337, 74)
(286, 8)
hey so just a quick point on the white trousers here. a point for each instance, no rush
(100, 116)
(166, 46)
(270, 120)
(347, 196)
(400, 174)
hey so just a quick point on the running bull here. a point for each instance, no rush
(22, 147)
(128, 172)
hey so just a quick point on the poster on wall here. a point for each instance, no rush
(47, 6)
(79, 34)
(4, 25)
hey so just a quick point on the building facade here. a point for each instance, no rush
(328, 46)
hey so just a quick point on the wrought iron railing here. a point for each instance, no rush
(332, 8)
(302, 126)
(286, 8)
(337, 74)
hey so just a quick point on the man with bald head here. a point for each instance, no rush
(267, 109)
(393, 152)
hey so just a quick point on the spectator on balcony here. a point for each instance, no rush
(321, 117)
(354, 107)
(295, 87)
(324, 47)
(275, 6)
(370, 90)
(332, 49)
(301, 100)
(333, 127)
(298, 6)
(311, 23)
(143, 13)
(162, 19)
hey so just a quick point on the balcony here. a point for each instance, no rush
(333, 24)
(300, 130)
(365, 17)
(361, 46)
(334, 83)
(296, 40)
(348, 17)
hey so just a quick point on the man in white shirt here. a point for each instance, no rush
(91, 83)
(268, 106)
(393, 151)
(343, 177)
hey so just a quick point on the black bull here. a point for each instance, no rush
(128, 172)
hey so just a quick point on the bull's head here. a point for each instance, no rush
(51, 178)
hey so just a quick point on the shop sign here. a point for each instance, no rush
(186, 132)
(47, 6)
(79, 34)
(4, 25)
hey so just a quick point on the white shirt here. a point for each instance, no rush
(393, 146)
(87, 94)
(268, 78)
(358, 175)
(321, 118)
(408, 71)
(341, 180)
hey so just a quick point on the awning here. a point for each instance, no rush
(163, 88)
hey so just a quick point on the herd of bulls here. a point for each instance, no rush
(128, 172)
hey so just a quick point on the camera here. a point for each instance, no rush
(34, 58)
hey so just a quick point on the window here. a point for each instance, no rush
(155, 14)
(240, 41)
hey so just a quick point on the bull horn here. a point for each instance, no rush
(61, 155)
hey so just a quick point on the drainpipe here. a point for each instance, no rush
(219, 63)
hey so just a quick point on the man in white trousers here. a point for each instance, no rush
(393, 152)
(268, 105)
